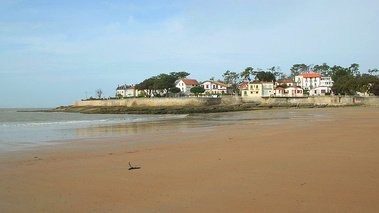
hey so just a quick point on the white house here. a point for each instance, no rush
(320, 91)
(284, 82)
(291, 91)
(215, 87)
(309, 81)
(126, 91)
(185, 85)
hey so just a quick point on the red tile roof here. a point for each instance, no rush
(310, 75)
(285, 81)
(295, 87)
(243, 85)
(217, 82)
(190, 81)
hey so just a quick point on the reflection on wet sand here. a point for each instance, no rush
(259, 117)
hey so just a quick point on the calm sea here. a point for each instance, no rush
(20, 130)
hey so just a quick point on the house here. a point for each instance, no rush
(126, 91)
(257, 89)
(291, 91)
(185, 85)
(309, 81)
(285, 83)
(320, 91)
(215, 87)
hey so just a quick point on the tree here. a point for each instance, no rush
(276, 71)
(179, 75)
(164, 82)
(346, 84)
(373, 71)
(147, 85)
(337, 72)
(298, 69)
(99, 93)
(369, 84)
(175, 90)
(233, 79)
(265, 76)
(323, 69)
(354, 69)
(245, 75)
(197, 90)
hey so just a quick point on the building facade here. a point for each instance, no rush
(309, 81)
(185, 85)
(291, 91)
(126, 91)
(257, 89)
(215, 87)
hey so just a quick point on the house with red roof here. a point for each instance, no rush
(308, 81)
(126, 91)
(215, 87)
(185, 85)
(257, 89)
(285, 82)
(291, 91)
(320, 90)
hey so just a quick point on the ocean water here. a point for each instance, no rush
(24, 130)
(20, 130)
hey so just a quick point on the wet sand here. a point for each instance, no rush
(311, 164)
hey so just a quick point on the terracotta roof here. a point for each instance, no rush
(243, 85)
(217, 82)
(190, 81)
(132, 87)
(295, 87)
(285, 81)
(279, 88)
(310, 75)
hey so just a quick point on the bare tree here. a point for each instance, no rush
(99, 93)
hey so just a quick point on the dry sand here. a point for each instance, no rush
(329, 164)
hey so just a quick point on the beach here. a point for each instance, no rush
(325, 163)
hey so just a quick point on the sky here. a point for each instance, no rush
(53, 53)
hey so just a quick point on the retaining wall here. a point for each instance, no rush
(313, 100)
(234, 100)
(151, 102)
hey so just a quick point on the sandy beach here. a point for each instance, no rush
(323, 164)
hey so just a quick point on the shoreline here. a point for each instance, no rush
(311, 164)
(186, 109)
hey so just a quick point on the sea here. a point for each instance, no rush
(22, 129)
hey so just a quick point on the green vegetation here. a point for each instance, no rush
(347, 80)
(162, 83)
(197, 90)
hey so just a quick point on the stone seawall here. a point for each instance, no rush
(235, 100)
(151, 102)
(313, 101)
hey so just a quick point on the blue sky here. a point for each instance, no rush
(55, 52)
